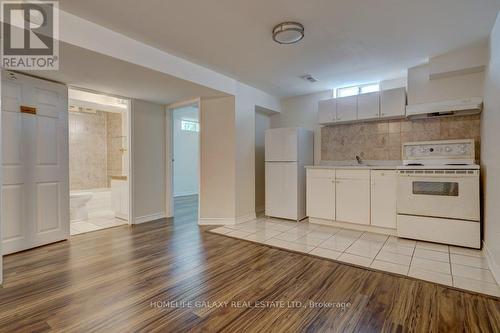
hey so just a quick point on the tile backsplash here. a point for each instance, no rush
(382, 140)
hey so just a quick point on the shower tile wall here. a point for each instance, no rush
(114, 144)
(87, 150)
(382, 140)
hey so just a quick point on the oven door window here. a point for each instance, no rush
(449, 189)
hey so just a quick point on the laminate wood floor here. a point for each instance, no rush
(172, 276)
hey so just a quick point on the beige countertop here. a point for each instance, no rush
(378, 165)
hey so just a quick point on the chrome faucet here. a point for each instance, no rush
(358, 158)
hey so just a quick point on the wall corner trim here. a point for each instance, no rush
(149, 218)
(494, 266)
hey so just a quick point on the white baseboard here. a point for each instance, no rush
(494, 266)
(353, 226)
(149, 218)
(226, 220)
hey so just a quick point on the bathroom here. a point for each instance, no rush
(98, 161)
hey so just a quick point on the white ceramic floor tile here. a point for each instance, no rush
(321, 234)
(365, 248)
(325, 253)
(298, 232)
(288, 236)
(374, 237)
(431, 265)
(249, 227)
(421, 260)
(432, 255)
(238, 233)
(325, 229)
(289, 245)
(390, 267)
(222, 230)
(261, 235)
(426, 275)
(473, 273)
(84, 226)
(309, 240)
(401, 242)
(108, 223)
(354, 259)
(466, 252)
(398, 249)
(279, 227)
(337, 243)
(433, 246)
(477, 286)
(479, 262)
(349, 233)
(392, 257)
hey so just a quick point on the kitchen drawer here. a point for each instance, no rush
(321, 173)
(383, 174)
(353, 174)
(438, 230)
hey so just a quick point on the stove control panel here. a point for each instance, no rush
(446, 152)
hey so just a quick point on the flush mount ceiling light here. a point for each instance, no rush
(288, 32)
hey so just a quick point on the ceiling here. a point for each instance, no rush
(346, 42)
(86, 69)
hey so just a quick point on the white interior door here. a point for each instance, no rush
(35, 189)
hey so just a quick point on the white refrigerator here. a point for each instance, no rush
(288, 151)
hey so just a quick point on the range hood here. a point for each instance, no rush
(458, 107)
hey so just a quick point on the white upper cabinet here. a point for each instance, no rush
(369, 106)
(327, 111)
(393, 103)
(347, 108)
(381, 104)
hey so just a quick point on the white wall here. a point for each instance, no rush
(186, 152)
(262, 123)
(218, 161)
(490, 154)
(302, 111)
(148, 158)
(421, 89)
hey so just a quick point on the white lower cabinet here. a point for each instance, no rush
(353, 196)
(383, 198)
(320, 195)
(366, 197)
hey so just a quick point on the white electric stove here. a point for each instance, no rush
(438, 193)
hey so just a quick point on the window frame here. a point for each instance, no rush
(358, 88)
(188, 122)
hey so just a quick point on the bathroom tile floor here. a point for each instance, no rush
(95, 223)
(447, 265)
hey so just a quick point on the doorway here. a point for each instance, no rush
(98, 161)
(262, 124)
(186, 153)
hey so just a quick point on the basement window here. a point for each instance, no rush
(190, 126)
(356, 90)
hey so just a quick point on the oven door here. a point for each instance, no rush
(440, 193)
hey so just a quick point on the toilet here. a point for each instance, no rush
(78, 206)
